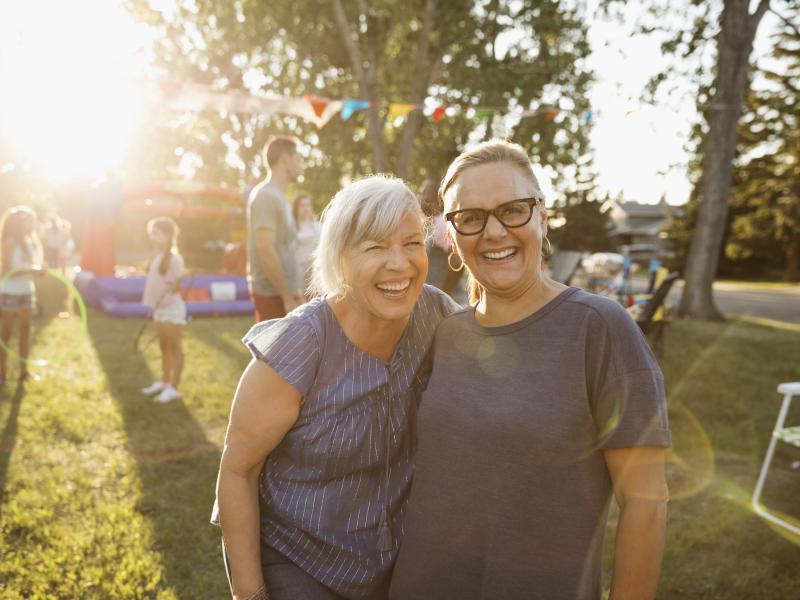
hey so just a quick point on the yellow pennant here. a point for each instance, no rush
(399, 109)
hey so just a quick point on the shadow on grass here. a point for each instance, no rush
(9, 437)
(177, 464)
(224, 335)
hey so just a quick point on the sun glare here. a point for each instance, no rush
(71, 100)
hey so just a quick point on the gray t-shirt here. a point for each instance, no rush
(268, 208)
(511, 491)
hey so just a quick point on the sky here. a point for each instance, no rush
(76, 101)
(639, 149)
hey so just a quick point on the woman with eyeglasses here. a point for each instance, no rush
(544, 402)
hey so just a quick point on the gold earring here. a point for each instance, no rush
(548, 251)
(450, 264)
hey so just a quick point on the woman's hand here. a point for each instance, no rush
(265, 408)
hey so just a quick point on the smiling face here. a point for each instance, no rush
(505, 261)
(386, 276)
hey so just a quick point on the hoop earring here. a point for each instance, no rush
(548, 251)
(450, 264)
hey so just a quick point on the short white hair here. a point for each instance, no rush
(367, 209)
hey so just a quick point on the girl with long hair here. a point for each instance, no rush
(161, 294)
(20, 257)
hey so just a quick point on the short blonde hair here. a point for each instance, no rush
(367, 209)
(493, 151)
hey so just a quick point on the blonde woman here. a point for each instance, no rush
(317, 464)
(544, 402)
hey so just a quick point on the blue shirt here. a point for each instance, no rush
(347, 461)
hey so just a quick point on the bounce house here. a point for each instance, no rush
(206, 294)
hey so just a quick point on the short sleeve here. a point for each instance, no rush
(290, 346)
(265, 211)
(629, 406)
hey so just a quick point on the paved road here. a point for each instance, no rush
(781, 304)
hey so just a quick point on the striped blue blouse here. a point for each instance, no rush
(347, 462)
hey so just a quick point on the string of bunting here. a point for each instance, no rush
(320, 110)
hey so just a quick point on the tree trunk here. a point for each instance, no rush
(424, 74)
(365, 84)
(792, 271)
(735, 43)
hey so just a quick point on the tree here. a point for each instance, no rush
(758, 225)
(494, 53)
(766, 192)
(737, 30)
(585, 218)
(731, 32)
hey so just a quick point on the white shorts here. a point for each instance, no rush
(174, 313)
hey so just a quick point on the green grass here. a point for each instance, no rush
(107, 495)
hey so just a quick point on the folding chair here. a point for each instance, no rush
(652, 319)
(787, 435)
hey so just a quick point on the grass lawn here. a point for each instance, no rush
(107, 495)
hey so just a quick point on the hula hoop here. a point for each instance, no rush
(70, 348)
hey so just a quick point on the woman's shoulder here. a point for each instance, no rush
(434, 301)
(602, 309)
(304, 325)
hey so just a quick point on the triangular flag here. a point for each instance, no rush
(587, 117)
(303, 108)
(438, 114)
(318, 104)
(352, 105)
(399, 109)
(551, 114)
(483, 112)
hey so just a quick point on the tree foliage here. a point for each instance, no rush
(763, 221)
(495, 53)
(765, 228)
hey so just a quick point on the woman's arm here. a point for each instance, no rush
(640, 488)
(265, 407)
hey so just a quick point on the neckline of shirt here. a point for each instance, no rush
(399, 349)
(531, 318)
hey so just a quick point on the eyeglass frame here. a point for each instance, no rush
(531, 201)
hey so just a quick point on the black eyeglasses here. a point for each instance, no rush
(472, 221)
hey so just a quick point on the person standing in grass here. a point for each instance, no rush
(275, 285)
(544, 402)
(162, 295)
(318, 456)
(21, 258)
(308, 231)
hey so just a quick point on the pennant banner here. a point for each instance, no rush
(319, 109)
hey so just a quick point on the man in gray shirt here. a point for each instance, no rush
(271, 233)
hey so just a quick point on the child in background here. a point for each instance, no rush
(21, 253)
(161, 294)
(308, 232)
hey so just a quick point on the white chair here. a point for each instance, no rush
(787, 435)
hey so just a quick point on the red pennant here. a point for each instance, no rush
(318, 104)
(438, 114)
(551, 114)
